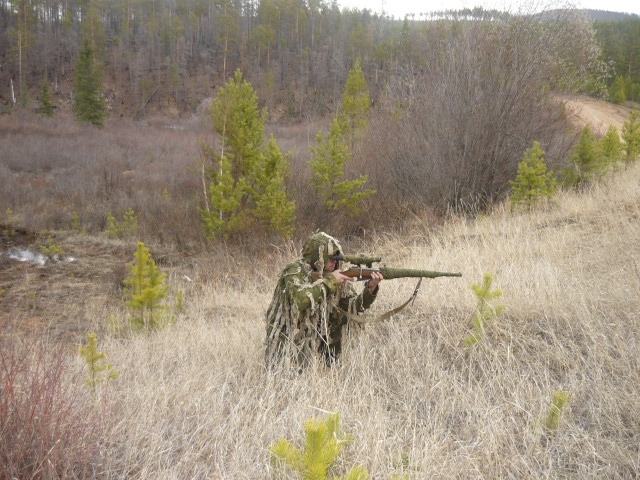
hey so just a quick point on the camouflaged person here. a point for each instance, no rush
(306, 315)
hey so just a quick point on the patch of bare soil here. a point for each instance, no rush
(61, 296)
(598, 114)
(54, 294)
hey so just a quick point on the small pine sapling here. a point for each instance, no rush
(631, 137)
(586, 162)
(147, 291)
(46, 104)
(611, 146)
(330, 157)
(558, 403)
(323, 446)
(617, 91)
(113, 230)
(130, 223)
(356, 103)
(76, 223)
(534, 183)
(53, 251)
(99, 370)
(484, 311)
(126, 228)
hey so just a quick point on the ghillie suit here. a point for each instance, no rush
(302, 320)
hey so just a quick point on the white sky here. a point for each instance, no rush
(399, 8)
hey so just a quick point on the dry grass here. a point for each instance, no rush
(194, 401)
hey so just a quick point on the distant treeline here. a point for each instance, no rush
(620, 42)
(296, 53)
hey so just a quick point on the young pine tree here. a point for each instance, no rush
(631, 137)
(611, 146)
(485, 312)
(247, 176)
(273, 208)
(99, 369)
(534, 183)
(356, 103)
(147, 291)
(559, 402)
(46, 105)
(617, 91)
(323, 446)
(586, 163)
(90, 105)
(329, 159)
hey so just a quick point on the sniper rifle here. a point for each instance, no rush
(362, 268)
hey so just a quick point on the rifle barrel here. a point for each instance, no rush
(391, 273)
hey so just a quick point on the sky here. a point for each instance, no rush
(399, 8)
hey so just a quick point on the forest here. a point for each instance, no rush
(453, 101)
(296, 53)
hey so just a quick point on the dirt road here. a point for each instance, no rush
(598, 114)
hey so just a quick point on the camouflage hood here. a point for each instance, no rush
(319, 249)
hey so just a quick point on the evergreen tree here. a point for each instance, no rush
(247, 177)
(46, 105)
(329, 159)
(90, 105)
(533, 182)
(323, 445)
(611, 146)
(147, 291)
(333, 150)
(586, 161)
(355, 102)
(98, 367)
(273, 208)
(631, 137)
(617, 91)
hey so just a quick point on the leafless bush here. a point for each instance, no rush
(456, 125)
(47, 433)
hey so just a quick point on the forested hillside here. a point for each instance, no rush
(452, 101)
(170, 56)
(620, 42)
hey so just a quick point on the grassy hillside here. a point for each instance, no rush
(194, 401)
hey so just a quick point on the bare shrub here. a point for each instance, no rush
(47, 433)
(455, 126)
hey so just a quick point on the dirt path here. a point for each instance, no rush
(600, 115)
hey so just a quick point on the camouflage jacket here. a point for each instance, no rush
(302, 319)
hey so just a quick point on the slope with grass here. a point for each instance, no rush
(194, 400)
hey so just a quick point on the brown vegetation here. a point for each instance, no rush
(194, 401)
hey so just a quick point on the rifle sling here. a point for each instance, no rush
(384, 316)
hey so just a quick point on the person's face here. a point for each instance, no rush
(330, 266)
